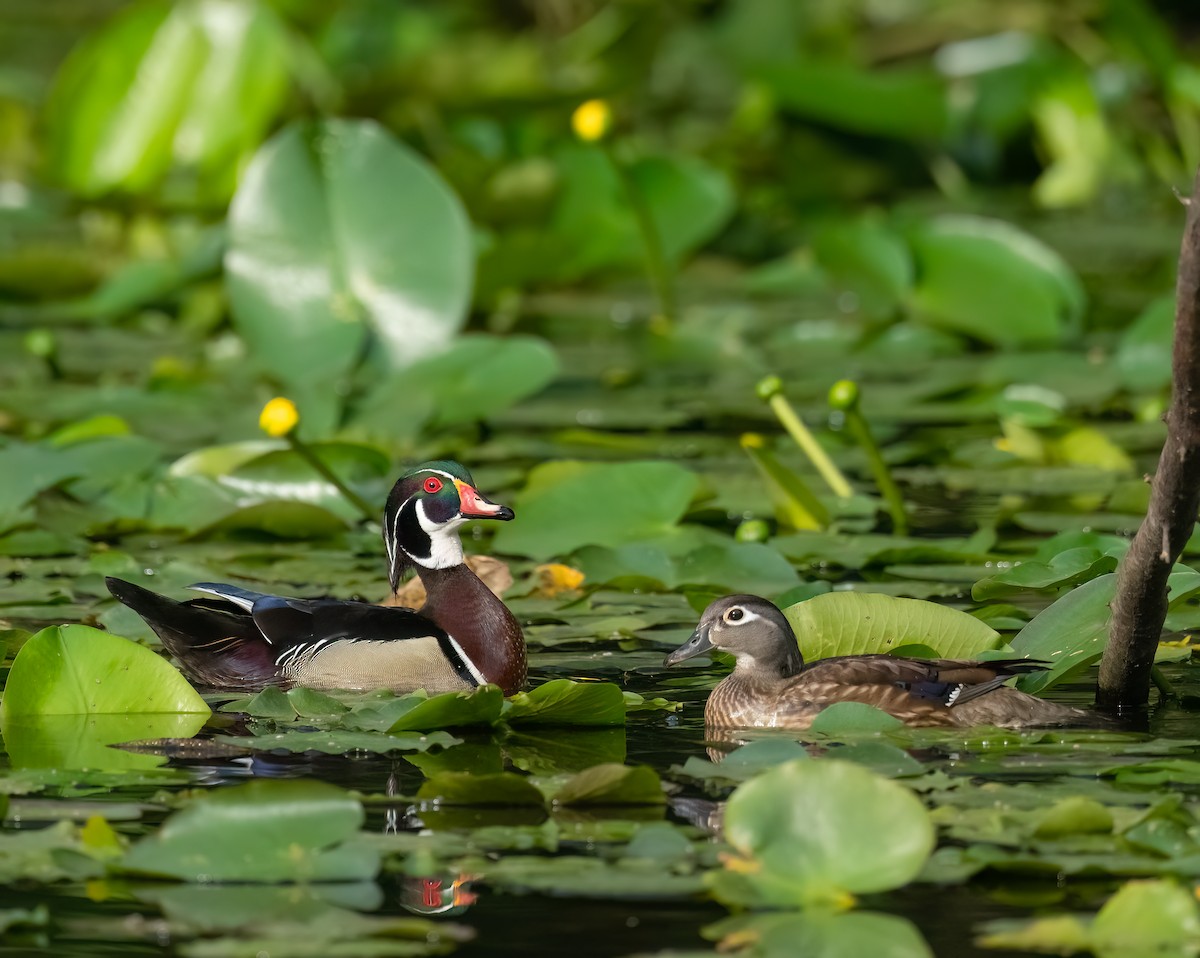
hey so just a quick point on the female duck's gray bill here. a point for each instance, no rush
(697, 644)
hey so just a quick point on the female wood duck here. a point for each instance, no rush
(771, 687)
(463, 636)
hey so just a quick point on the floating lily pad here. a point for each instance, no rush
(85, 741)
(810, 833)
(624, 502)
(1143, 918)
(563, 702)
(612, 785)
(473, 788)
(850, 623)
(77, 670)
(314, 266)
(819, 934)
(265, 831)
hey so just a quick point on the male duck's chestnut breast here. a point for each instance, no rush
(401, 666)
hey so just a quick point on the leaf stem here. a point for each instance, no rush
(656, 260)
(845, 396)
(770, 389)
(305, 452)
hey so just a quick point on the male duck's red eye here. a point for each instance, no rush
(433, 484)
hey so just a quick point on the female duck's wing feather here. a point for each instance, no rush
(934, 682)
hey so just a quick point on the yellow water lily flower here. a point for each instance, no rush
(278, 417)
(592, 120)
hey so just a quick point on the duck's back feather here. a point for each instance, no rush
(242, 639)
(918, 691)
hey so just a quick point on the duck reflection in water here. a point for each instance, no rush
(437, 894)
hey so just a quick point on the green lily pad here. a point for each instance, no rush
(567, 505)
(340, 741)
(1068, 568)
(473, 788)
(1154, 917)
(843, 718)
(852, 623)
(821, 934)
(141, 96)
(340, 232)
(1071, 633)
(563, 702)
(809, 833)
(612, 785)
(85, 741)
(746, 761)
(78, 670)
(264, 831)
(481, 706)
(992, 281)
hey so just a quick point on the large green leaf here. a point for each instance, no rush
(990, 280)
(818, 933)
(858, 623)
(85, 741)
(1149, 917)
(904, 104)
(563, 702)
(78, 670)
(339, 232)
(476, 378)
(1144, 353)
(567, 505)
(688, 201)
(419, 712)
(612, 784)
(811, 833)
(475, 788)
(867, 258)
(1071, 633)
(265, 831)
(151, 92)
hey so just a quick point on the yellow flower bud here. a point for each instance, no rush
(591, 120)
(278, 417)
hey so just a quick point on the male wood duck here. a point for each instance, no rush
(462, 637)
(771, 687)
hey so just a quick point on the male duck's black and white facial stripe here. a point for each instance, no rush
(423, 514)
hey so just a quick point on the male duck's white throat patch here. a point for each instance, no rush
(445, 548)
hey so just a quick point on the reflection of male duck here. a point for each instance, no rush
(463, 636)
(771, 687)
(437, 894)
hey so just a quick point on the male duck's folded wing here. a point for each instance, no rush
(285, 622)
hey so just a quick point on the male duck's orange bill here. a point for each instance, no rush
(472, 505)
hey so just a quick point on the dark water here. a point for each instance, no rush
(507, 924)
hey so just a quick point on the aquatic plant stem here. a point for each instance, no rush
(1140, 605)
(770, 390)
(305, 453)
(1162, 683)
(661, 277)
(796, 504)
(844, 396)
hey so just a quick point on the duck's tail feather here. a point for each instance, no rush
(215, 642)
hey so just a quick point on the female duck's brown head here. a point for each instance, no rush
(423, 513)
(749, 628)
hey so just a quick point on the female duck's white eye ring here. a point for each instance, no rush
(433, 484)
(734, 615)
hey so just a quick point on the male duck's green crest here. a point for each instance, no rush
(772, 687)
(463, 636)
(423, 513)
